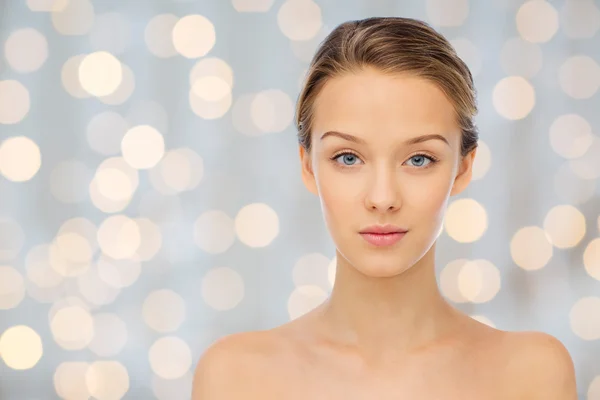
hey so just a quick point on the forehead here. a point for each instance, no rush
(371, 101)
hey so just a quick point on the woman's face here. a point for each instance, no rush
(379, 178)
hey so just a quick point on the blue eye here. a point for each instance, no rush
(347, 156)
(421, 159)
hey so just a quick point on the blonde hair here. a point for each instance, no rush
(391, 45)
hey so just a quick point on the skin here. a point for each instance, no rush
(385, 331)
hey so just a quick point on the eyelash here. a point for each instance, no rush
(433, 160)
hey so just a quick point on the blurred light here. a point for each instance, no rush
(591, 259)
(111, 32)
(531, 248)
(21, 347)
(521, 58)
(447, 13)
(142, 147)
(119, 237)
(12, 238)
(14, 102)
(331, 271)
(483, 161)
(76, 18)
(158, 35)
(193, 36)
(209, 109)
(299, 19)
(579, 77)
(580, 19)
(170, 357)
(95, 290)
(585, 318)
(105, 132)
(123, 91)
(69, 180)
(179, 170)
(211, 88)
(571, 135)
(47, 5)
(74, 248)
(312, 269)
(70, 77)
(100, 73)
(20, 158)
(465, 220)
(565, 225)
(164, 310)
(483, 320)
(169, 389)
(118, 273)
(256, 225)
(72, 327)
(26, 50)
(449, 280)
(98, 192)
(242, 118)
(110, 335)
(222, 288)
(513, 97)
(12, 288)
(214, 231)
(272, 111)
(469, 53)
(478, 281)
(107, 380)
(252, 5)
(69, 380)
(593, 391)
(537, 21)
(304, 299)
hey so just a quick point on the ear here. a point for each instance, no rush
(465, 172)
(308, 176)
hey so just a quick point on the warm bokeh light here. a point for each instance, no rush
(214, 231)
(118, 273)
(250, 6)
(579, 76)
(299, 19)
(157, 35)
(514, 97)
(105, 131)
(72, 327)
(69, 380)
(20, 158)
(21, 347)
(164, 310)
(447, 13)
(100, 73)
(571, 135)
(565, 225)
(465, 220)
(222, 288)
(304, 299)
(110, 335)
(119, 237)
(588, 165)
(46, 5)
(70, 77)
(483, 160)
(14, 102)
(193, 36)
(591, 258)
(107, 380)
(312, 269)
(537, 21)
(26, 50)
(272, 111)
(584, 318)
(75, 18)
(580, 19)
(256, 225)
(478, 281)
(142, 147)
(531, 248)
(170, 357)
(124, 91)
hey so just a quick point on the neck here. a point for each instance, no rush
(387, 317)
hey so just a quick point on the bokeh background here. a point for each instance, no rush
(151, 199)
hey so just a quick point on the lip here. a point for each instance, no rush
(388, 228)
(383, 239)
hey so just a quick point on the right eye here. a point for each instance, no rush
(346, 157)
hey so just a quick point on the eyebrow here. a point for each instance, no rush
(414, 140)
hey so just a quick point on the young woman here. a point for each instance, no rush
(386, 136)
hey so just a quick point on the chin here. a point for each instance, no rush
(381, 268)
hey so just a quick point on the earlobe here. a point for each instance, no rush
(308, 176)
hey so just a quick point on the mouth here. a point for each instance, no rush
(382, 239)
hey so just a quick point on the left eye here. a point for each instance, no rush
(420, 160)
(347, 157)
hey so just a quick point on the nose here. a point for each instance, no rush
(383, 193)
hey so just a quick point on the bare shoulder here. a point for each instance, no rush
(540, 365)
(229, 367)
